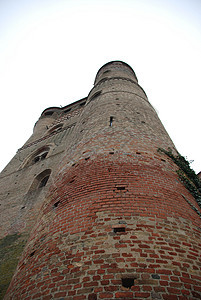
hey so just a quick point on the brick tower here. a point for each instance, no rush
(91, 208)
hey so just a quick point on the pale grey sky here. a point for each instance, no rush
(50, 51)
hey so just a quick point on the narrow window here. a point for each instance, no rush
(40, 180)
(121, 188)
(44, 181)
(107, 71)
(56, 204)
(36, 159)
(95, 95)
(37, 156)
(119, 229)
(43, 156)
(32, 253)
(48, 113)
(111, 120)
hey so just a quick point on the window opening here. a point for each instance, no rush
(119, 229)
(37, 156)
(95, 95)
(107, 71)
(56, 204)
(32, 253)
(83, 103)
(48, 113)
(40, 157)
(127, 282)
(121, 188)
(43, 156)
(44, 181)
(111, 120)
(36, 159)
(40, 180)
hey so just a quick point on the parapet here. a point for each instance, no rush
(115, 69)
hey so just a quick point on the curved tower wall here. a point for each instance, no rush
(115, 222)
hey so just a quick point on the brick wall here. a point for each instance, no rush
(75, 253)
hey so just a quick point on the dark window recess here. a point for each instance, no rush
(111, 120)
(36, 159)
(111, 152)
(119, 229)
(43, 156)
(32, 253)
(103, 79)
(44, 181)
(56, 204)
(155, 276)
(40, 180)
(83, 103)
(121, 188)
(40, 157)
(49, 113)
(127, 282)
(95, 95)
(107, 71)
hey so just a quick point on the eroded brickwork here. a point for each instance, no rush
(114, 222)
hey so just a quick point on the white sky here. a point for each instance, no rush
(51, 50)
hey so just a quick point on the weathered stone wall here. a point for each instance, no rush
(20, 206)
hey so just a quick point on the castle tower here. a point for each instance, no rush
(91, 208)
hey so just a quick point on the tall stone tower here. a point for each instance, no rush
(92, 210)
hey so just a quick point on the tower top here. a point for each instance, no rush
(116, 69)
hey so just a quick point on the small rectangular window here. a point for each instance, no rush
(111, 120)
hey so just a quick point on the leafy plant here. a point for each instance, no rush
(186, 174)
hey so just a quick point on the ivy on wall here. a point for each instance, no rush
(186, 174)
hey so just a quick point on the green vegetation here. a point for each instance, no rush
(186, 174)
(11, 248)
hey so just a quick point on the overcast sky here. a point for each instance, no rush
(51, 50)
